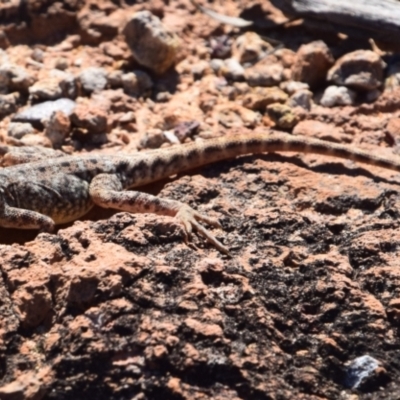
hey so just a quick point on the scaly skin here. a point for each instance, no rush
(41, 194)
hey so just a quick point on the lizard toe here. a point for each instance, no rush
(189, 219)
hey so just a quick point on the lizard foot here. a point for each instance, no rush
(190, 218)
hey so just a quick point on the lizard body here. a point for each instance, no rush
(41, 194)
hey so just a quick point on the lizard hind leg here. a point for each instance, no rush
(106, 191)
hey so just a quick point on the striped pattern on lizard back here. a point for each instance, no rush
(40, 194)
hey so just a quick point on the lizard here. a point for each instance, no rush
(39, 194)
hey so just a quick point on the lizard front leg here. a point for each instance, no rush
(107, 191)
(12, 217)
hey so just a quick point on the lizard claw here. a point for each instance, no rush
(189, 219)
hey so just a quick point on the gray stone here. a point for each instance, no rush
(18, 130)
(360, 369)
(372, 95)
(8, 103)
(93, 79)
(264, 75)
(301, 98)
(233, 69)
(360, 70)
(152, 139)
(250, 48)
(55, 85)
(216, 64)
(46, 89)
(67, 82)
(337, 96)
(40, 111)
(14, 77)
(151, 43)
(115, 78)
(292, 87)
(38, 55)
(61, 63)
(136, 83)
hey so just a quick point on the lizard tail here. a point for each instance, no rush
(229, 147)
(177, 159)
